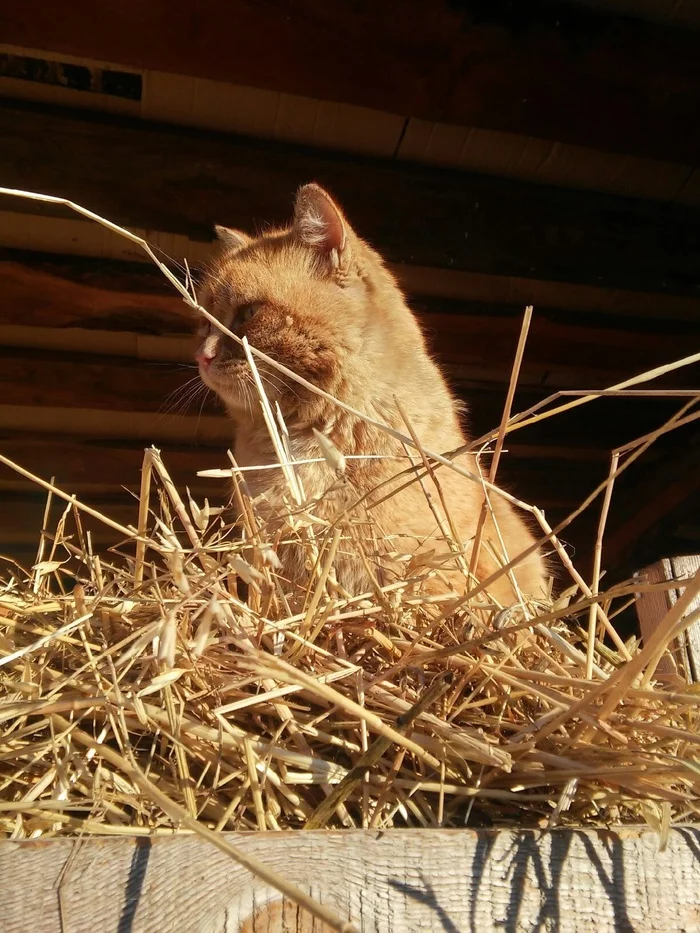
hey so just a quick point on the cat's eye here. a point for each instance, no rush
(245, 312)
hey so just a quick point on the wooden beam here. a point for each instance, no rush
(71, 380)
(48, 234)
(550, 70)
(83, 305)
(93, 423)
(102, 474)
(652, 501)
(70, 392)
(574, 881)
(88, 464)
(186, 181)
(22, 514)
(684, 655)
(21, 520)
(570, 351)
(69, 291)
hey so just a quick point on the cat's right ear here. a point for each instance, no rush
(320, 225)
(231, 239)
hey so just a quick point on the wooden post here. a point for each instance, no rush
(684, 656)
(400, 881)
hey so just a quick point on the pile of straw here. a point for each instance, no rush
(156, 692)
(151, 689)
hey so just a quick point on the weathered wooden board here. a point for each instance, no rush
(663, 492)
(183, 182)
(152, 400)
(652, 608)
(553, 71)
(93, 303)
(92, 464)
(401, 881)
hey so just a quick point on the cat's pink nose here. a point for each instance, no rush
(204, 357)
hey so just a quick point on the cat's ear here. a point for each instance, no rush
(319, 222)
(232, 239)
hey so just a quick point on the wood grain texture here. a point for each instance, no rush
(655, 497)
(71, 292)
(83, 463)
(126, 399)
(183, 182)
(401, 881)
(551, 70)
(102, 474)
(46, 302)
(652, 607)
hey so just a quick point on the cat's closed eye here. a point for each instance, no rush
(245, 312)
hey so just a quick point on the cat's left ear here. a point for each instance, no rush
(320, 225)
(231, 239)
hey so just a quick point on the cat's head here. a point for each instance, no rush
(303, 295)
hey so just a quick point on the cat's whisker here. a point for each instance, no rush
(205, 396)
(187, 396)
(279, 384)
(269, 382)
(247, 387)
(180, 395)
(170, 260)
(190, 399)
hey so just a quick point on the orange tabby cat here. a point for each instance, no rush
(318, 299)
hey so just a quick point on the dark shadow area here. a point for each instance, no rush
(134, 884)
(691, 837)
(528, 855)
(482, 853)
(613, 884)
(428, 897)
(527, 864)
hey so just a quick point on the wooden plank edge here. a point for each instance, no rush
(187, 101)
(46, 234)
(652, 607)
(293, 60)
(476, 881)
(149, 427)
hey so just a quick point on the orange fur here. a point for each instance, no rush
(318, 299)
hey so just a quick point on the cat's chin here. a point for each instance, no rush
(229, 386)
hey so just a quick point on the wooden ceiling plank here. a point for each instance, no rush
(217, 105)
(647, 505)
(182, 182)
(94, 312)
(38, 239)
(472, 348)
(555, 71)
(147, 426)
(679, 13)
(80, 462)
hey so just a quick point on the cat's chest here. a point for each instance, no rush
(291, 469)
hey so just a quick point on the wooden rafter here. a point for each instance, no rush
(649, 503)
(110, 308)
(183, 182)
(550, 70)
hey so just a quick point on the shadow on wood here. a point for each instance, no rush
(467, 881)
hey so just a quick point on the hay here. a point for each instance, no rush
(151, 694)
(385, 710)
